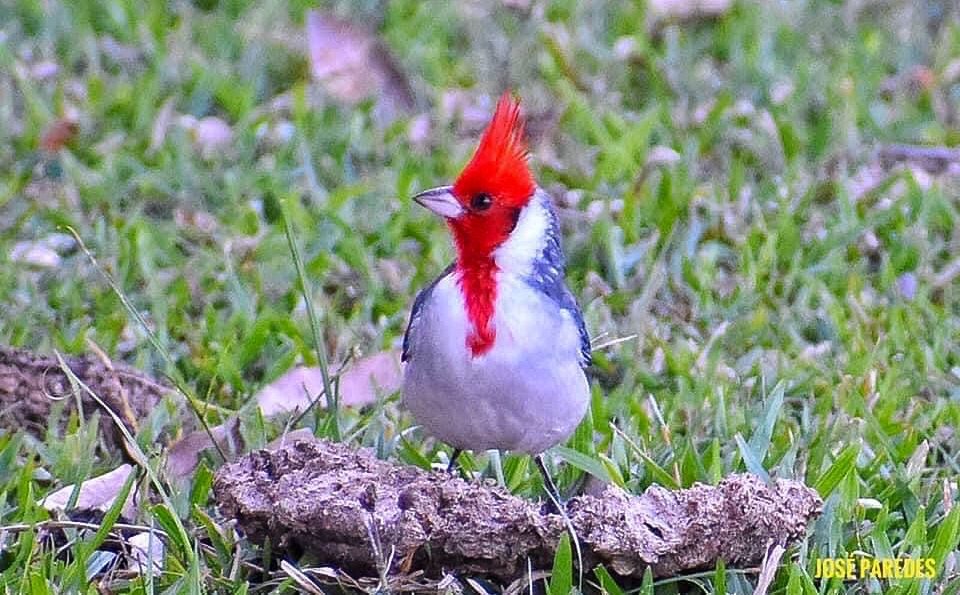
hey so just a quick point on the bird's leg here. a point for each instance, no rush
(452, 465)
(555, 500)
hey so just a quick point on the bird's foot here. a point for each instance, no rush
(548, 506)
(555, 503)
(452, 467)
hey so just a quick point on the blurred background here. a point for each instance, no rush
(759, 203)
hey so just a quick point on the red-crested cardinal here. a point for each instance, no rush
(496, 346)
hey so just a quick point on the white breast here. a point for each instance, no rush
(526, 394)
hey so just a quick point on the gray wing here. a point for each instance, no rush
(417, 307)
(569, 303)
(561, 295)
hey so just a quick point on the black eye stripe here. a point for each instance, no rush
(481, 201)
(514, 218)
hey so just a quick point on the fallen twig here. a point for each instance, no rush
(933, 160)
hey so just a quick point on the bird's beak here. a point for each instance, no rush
(441, 201)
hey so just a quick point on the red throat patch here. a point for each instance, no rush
(479, 288)
(497, 173)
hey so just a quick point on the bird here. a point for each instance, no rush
(496, 351)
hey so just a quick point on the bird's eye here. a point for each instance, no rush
(481, 202)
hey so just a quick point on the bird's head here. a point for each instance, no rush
(497, 220)
(484, 204)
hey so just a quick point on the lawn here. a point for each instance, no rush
(767, 259)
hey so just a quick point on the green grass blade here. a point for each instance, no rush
(751, 459)
(608, 585)
(584, 462)
(946, 539)
(760, 440)
(177, 531)
(720, 577)
(181, 386)
(843, 464)
(561, 577)
(332, 397)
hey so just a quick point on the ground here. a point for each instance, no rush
(770, 279)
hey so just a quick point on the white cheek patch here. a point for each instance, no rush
(517, 253)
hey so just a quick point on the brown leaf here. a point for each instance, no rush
(192, 219)
(211, 135)
(44, 70)
(35, 254)
(916, 80)
(359, 385)
(353, 65)
(161, 125)
(58, 133)
(98, 493)
(369, 377)
(946, 275)
(294, 391)
(144, 550)
(184, 455)
(418, 133)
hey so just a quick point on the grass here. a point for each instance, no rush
(721, 200)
